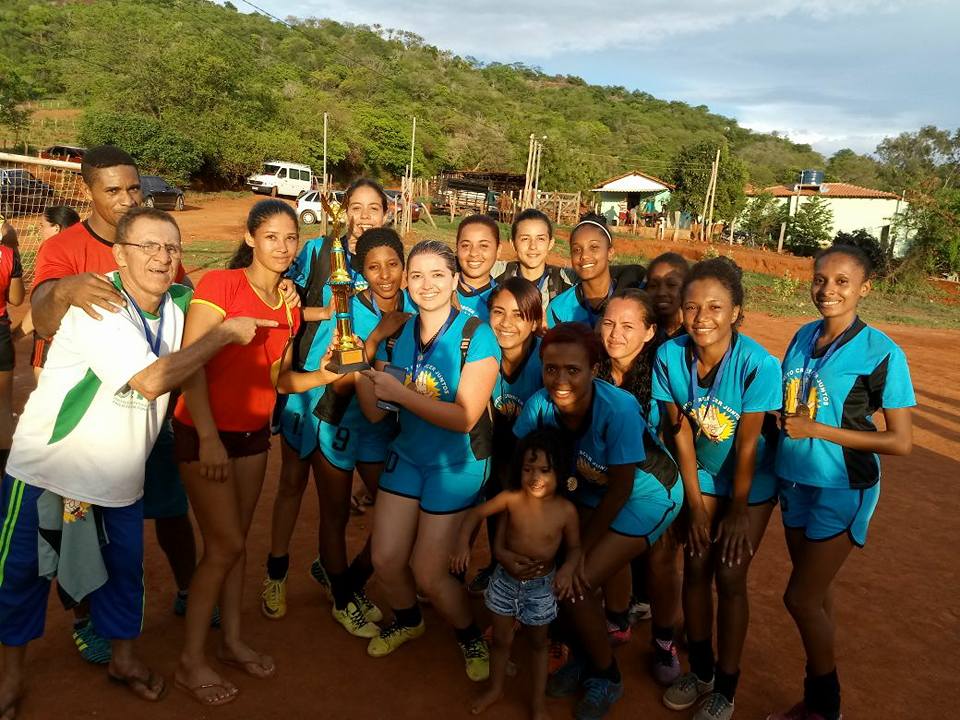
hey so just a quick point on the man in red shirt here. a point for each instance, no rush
(70, 271)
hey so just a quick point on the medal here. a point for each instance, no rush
(705, 411)
(709, 423)
(804, 404)
(802, 409)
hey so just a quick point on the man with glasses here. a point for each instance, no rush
(75, 477)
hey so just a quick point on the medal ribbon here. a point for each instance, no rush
(806, 380)
(153, 342)
(707, 400)
(421, 351)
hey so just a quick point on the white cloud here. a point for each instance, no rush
(539, 29)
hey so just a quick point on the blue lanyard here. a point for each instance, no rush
(714, 386)
(153, 342)
(468, 291)
(806, 380)
(421, 352)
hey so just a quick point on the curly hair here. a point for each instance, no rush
(726, 272)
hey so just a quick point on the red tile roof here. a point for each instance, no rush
(828, 190)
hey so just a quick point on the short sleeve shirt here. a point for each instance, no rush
(85, 433)
(614, 435)
(476, 300)
(239, 381)
(750, 384)
(420, 442)
(867, 372)
(10, 268)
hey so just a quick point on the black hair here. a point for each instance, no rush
(258, 215)
(374, 238)
(63, 216)
(726, 272)
(131, 216)
(574, 333)
(557, 449)
(528, 299)
(592, 219)
(103, 156)
(435, 247)
(851, 251)
(480, 219)
(639, 376)
(674, 260)
(530, 214)
(365, 182)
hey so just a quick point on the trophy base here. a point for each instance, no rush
(344, 361)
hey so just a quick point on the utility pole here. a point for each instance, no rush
(713, 192)
(323, 185)
(408, 199)
(527, 176)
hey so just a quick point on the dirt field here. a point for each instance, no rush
(896, 600)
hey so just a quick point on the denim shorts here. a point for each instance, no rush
(532, 602)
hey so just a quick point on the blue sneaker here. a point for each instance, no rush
(92, 647)
(599, 696)
(566, 681)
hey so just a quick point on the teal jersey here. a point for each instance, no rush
(865, 372)
(748, 382)
(476, 300)
(614, 433)
(435, 372)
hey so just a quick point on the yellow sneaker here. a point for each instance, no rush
(392, 637)
(354, 621)
(273, 599)
(370, 611)
(476, 656)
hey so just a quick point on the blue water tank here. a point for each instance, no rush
(811, 177)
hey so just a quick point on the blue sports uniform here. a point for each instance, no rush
(571, 305)
(825, 488)
(510, 393)
(346, 437)
(616, 434)
(438, 467)
(116, 607)
(747, 383)
(476, 300)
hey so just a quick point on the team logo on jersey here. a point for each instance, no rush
(589, 470)
(508, 405)
(429, 382)
(713, 422)
(793, 404)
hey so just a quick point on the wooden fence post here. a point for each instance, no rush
(783, 231)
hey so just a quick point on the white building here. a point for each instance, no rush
(618, 195)
(853, 207)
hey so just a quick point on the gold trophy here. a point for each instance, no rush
(347, 352)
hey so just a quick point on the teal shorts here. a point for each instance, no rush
(825, 513)
(440, 489)
(647, 516)
(344, 446)
(298, 425)
(763, 490)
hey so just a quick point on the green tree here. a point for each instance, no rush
(847, 166)
(869, 244)
(809, 228)
(13, 91)
(761, 218)
(932, 222)
(911, 159)
(691, 178)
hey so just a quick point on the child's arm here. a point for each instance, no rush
(568, 582)
(460, 558)
(317, 314)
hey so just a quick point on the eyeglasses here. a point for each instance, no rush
(152, 248)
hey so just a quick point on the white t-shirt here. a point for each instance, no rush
(84, 433)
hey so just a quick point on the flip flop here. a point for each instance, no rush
(211, 700)
(133, 683)
(248, 667)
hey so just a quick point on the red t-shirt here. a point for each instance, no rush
(9, 268)
(239, 385)
(76, 250)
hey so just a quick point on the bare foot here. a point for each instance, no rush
(11, 691)
(205, 685)
(243, 657)
(486, 700)
(140, 679)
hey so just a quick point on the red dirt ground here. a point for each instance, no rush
(896, 602)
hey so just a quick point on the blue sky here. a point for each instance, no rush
(833, 73)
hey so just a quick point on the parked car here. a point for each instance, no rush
(157, 192)
(67, 153)
(310, 209)
(282, 178)
(21, 193)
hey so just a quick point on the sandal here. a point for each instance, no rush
(208, 700)
(253, 668)
(142, 687)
